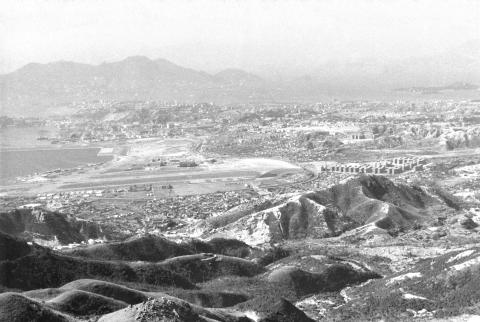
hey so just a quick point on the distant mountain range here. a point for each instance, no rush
(36, 88)
(456, 65)
(437, 89)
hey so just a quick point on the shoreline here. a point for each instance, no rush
(25, 163)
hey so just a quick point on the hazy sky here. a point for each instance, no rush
(211, 35)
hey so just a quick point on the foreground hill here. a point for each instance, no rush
(76, 287)
(326, 287)
(76, 305)
(28, 267)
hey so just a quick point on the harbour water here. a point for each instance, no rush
(21, 154)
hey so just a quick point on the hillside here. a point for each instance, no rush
(434, 288)
(49, 227)
(365, 205)
(155, 248)
(39, 267)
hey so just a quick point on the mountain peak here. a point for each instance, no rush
(136, 59)
(133, 61)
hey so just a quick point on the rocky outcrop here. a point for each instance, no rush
(297, 218)
(155, 310)
(169, 309)
(48, 226)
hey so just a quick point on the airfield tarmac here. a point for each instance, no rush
(137, 167)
